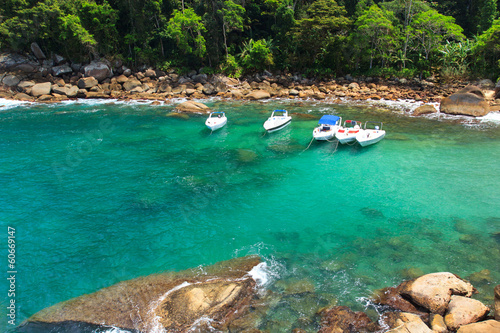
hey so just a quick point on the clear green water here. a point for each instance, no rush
(100, 193)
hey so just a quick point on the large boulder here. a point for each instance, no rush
(193, 107)
(258, 94)
(99, 70)
(173, 302)
(72, 91)
(462, 311)
(434, 291)
(467, 104)
(488, 326)
(392, 297)
(342, 319)
(40, 89)
(87, 82)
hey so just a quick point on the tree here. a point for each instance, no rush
(406, 10)
(487, 13)
(486, 51)
(232, 18)
(430, 29)
(375, 31)
(313, 35)
(186, 29)
(256, 55)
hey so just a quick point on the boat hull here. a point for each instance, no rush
(215, 124)
(272, 125)
(370, 137)
(347, 137)
(323, 136)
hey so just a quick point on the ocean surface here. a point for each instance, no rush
(100, 192)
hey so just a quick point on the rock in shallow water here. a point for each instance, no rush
(175, 301)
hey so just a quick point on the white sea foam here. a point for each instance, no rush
(6, 104)
(113, 329)
(260, 274)
(491, 117)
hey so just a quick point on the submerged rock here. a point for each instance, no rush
(178, 115)
(177, 302)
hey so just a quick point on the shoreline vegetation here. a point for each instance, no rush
(24, 78)
(232, 296)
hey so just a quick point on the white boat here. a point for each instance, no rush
(216, 120)
(370, 136)
(349, 131)
(328, 126)
(278, 120)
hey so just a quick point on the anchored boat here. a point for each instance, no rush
(278, 120)
(328, 126)
(216, 120)
(370, 136)
(348, 132)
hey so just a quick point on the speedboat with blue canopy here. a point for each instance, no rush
(216, 120)
(328, 126)
(279, 119)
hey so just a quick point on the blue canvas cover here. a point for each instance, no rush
(329, 120)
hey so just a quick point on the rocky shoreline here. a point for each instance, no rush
(228, 297)
(26, 78)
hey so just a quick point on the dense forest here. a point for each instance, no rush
(406, 38)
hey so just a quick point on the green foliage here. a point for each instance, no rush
(256, 55)
(487, 13)
(231, 68)
(186, 29)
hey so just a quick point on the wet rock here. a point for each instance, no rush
(433, 291)
(341, 319)
(437, 324)
(23, 97)
(424, 109)
(488, 326)
(258, 94)
(463, 310)
(193, 107)
(40, 89)
(304, 116)
(465, 104)
(401, 322)
(175, 302)
(298, 287)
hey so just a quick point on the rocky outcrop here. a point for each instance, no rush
(468, 104)
(193, 107)
(342, 319)
(434, 291)
(87, 82)
(37, 51)
(175, 302)
(463, 310)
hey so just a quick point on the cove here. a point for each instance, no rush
(105, 192)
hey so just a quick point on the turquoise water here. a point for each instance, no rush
(100, 193)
